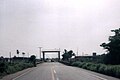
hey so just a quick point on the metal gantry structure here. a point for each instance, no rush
(51, 51)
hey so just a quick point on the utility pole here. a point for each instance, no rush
(28, 55)
(40, 51)
(77, 51)
(82, 53)
(10, 57)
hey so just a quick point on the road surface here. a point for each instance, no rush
(58, 71)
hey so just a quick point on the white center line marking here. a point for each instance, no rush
(53, 77)
(54, 71)
(57, 78)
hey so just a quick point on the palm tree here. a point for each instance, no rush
(18, 53)
(23, 54)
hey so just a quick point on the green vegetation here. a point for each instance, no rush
(17, 64)
(17, 67)
(33, 60)
(108, 64)
(113, 48)
(112, 70)
(8, 68)
(67, 55)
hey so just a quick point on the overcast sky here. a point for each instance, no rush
(67, 24)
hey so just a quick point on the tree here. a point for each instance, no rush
(33, 59)
(18, 53)
(113, 48)
(67, 54)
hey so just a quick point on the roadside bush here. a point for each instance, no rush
(112, 70)
(65, 62)
(101, 69)
(81, 64)
(92, 67)
(85, 66)
(3, 67)
(76, 64)
(118, 71)
(8, 68)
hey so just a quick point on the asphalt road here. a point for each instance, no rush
(58, 71)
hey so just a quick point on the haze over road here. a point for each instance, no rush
(58, 71)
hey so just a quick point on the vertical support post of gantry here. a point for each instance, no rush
(43, 56)
(58, 55)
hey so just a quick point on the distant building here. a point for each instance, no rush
(86, 58)
(14, 59)
(20, 58)
(94, 54)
